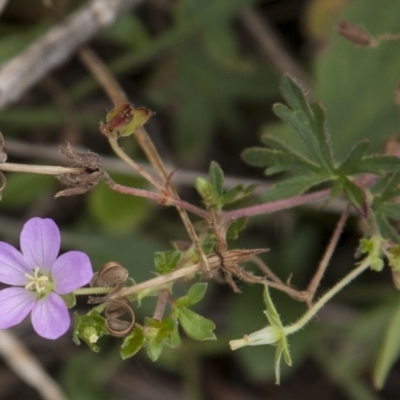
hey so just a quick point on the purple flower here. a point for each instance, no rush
(40, 279)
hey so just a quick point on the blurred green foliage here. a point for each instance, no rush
(199, 73)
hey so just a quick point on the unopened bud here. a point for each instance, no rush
(354, 33)
(124, 119)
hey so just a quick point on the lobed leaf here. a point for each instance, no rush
(277, 160)
(391, 210)
(322, 135)
(308, 119)
(377, 165)
(350, 165)
(294, 186)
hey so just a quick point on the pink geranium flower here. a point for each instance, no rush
(40, 278)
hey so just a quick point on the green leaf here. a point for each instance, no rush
(293, 187)
(205, 190)
(132, 343)
(232, 194)
(237, 193)
(308, 119)
(389, 352)
(391, 210)
(355, 194)
(294, 95)
(279, 145)
(167, 261)
(277, 161)
(217, 180)
(153, 349)
(378, 165)
(350, 165)
(174, 339)
(235, 227)
(195, 293)
(386, 230)
(194, 325)
(322, 135)
(387, 187)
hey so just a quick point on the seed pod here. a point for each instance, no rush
(111, 274)
(113, 312)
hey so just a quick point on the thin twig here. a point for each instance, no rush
(159, 198)
(313, 285)
(3, 4)
(160, 282)
(103, 75)
(39, 169)
(139, 169)
(56, 46)
(161, 303)
(28, 368)
(116, 93)
(272, 49)
(264, 268)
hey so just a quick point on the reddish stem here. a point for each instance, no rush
(273, 206)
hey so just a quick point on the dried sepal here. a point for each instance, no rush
(85, 180)
(83, 159)
(111, 274)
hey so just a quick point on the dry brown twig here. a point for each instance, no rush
(56, 46)
(308, 294)
(116, 94)
(27, 367)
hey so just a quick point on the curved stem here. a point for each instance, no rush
(306, 318)
(159, 198)
(140, 170)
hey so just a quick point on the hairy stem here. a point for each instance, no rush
(306, 318)
(313, 285)
(274, 206)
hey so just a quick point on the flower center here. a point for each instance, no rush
(37, 282)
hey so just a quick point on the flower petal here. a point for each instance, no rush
(15, 305)
(50, 317)
(71, 271)
(13, 265)
(40, 242)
